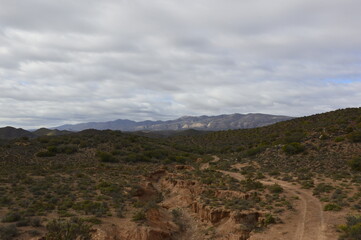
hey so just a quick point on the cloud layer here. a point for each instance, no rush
(87, 60)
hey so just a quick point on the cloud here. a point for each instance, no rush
(67, 62)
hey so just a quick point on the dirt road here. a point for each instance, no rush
(306, 223)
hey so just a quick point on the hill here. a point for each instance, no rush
(209, 123)
(321, 142)
(9, 133)
(12, 133)
(49, 132)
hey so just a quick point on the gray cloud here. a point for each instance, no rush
(76, 61)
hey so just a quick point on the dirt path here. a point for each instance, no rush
(206, 165)
(306, 223)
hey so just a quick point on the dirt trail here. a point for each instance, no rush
(206, 165)
(306, 223)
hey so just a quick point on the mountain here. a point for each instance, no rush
(209, 123)
(9, 133)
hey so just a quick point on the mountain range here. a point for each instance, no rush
(208, 123)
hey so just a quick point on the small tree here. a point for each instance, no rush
(293, 148)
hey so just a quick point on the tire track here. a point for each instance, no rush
(309, 221)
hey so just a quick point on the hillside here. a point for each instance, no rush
(297, 179)
(320, 140)
(209, 123)
(12, 133)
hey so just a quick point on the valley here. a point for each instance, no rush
(298, 179)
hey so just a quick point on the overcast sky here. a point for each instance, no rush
(88, 60)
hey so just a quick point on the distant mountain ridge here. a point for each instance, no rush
(209, 123)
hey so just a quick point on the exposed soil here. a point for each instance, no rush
(206, 165)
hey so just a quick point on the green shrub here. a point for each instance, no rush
(253, 151)
(275, 188)
(352, 229)
(355, 164)
(332, 207)
(269, 219)
(251, 184)
(339, 139)
(75, 228)
(89, 207)
(293, 148)
(106, 157)
(322, 188)
(64, 148)
(139, 216)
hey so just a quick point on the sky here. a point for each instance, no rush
(89, 60)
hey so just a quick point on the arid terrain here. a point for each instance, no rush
(298, 179)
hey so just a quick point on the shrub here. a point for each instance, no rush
(139, 216)
(253, 151)
(8, 232)
(352, 229)
(75, 228)
(339, 139)
(355, 136)
(251, 184)
(332, 207)
(269, 219)
(12, 217)
(89, 207)
(275, 188)
(322, 188)
(106, 157)
(293, 148)
(68, 149)
(355, 164)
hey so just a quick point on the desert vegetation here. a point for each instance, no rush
(74, 185)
